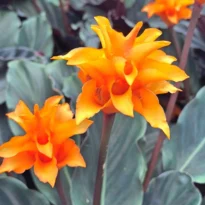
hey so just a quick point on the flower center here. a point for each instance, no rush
(119, 87)
(102, 95)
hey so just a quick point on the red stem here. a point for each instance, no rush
(172, 101)
(106, 130)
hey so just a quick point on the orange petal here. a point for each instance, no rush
(161, 87)
(63, 113)
(16, 145)
(46, 171)
(46, 149)
(69, 154)
(123, 102)
(18, 163)
(126, 70)
(86, 105)
(79, 56)
(152, 71)
(130, 38)
(22, 115)
(185, 13)
(140, 51)
(152, 110)
(153, 8)
(68, 129)
(161, 56)
(149, 35)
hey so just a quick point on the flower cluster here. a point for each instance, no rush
(46, 144)
(170, 11)
(125, 75)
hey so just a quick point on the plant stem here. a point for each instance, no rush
(170, 107)
(60, 191)
(106, 130)
(175, 41)
(38, 9)
(65, 19)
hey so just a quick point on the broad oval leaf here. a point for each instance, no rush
(50, 193)
(124, 167)
(12, 191)
(172, 188)
(26, 81)
(186, 149)
(9, 25)
(36, 33)
(58, 71)
(5, 132)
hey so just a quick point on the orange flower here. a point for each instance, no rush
(200, 1)
(170, 11)
(46, 144)
(125, 75)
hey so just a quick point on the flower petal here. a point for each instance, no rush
(69, 154)
(16, 145)
(162, 87)
(18, 163)
(161, 56)
(149, 35)
(152, 71)
(79, 56)
(22, 115)
(86, 105)
(185, 13)
(46, 149)
(123, 102)
(46, 171)
(153, 8)
(65, 130)
(63, 113)
(140, 51)
(150, 108)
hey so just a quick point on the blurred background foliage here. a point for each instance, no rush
(32, 31)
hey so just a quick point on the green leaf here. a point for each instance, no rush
(50, 193)
(20, 52)
(186, 149)
(27, 81)
(147, 144)
(9, 26)
(5, 132)
(36, 33)
(124, 167)
(58, 71)
(203, 202)
(80, 5)
(3, 70)
(172, 188)
(198, 38)
(12, 191)
(72, 87)
(133, 13)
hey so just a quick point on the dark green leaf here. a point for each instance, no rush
(36, 33)
(9, 26)
(123, 173)
(147, 144)
(186, 149)
(27, 81)
(72, 87)
(50, 193)
(20, 52)
(172, 188)
(12, 191)
(5, 132)
(79, 5)
(58, 71)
